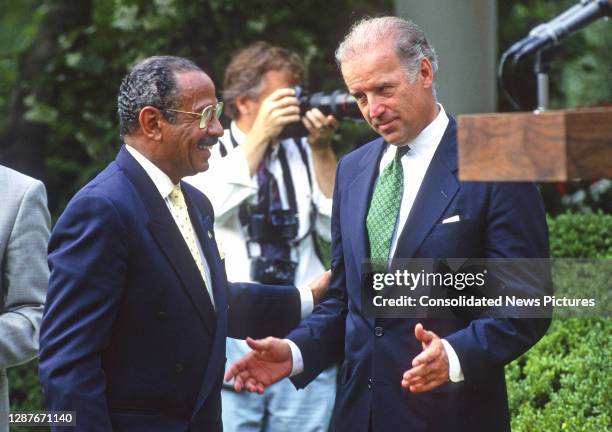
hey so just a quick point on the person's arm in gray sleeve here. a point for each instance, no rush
(24, 222)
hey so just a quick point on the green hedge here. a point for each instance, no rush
(583, 235)
(564, 382)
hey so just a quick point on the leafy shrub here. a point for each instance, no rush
(564, 382)
(584, 235)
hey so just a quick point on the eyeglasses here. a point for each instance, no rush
(206, 115)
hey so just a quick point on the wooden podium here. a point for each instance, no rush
(549, 146)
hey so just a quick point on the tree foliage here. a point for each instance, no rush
(580, 65)
(73, 94)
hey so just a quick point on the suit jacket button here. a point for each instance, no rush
(370, 383)
(378, 331)
(178, 368)
(161, 315)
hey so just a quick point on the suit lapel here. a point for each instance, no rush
(203, 226)
(169, 238)
(358, 201)
(436, 192)
(359, 194)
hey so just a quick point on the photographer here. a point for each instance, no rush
(272, 198)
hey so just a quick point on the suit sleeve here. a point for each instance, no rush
(25, 277)
(259, 311)
(515, 228)
(88, 261)
(320, 337)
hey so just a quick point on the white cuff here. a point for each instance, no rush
(455, 374)
(306, 300)
(297, 366)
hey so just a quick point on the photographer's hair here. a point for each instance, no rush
(410, 42)
(151, 82)
(244, 75)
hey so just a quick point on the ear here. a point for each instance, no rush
(244, 106)
(426, 73)
(150, 120)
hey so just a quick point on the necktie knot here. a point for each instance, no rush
(176, 196)
(401, 151)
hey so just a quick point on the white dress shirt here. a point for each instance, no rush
(228, 183)
(164, 186)
(415, 164)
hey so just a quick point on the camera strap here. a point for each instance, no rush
(289, 187)
(222, 148)
(313, 207)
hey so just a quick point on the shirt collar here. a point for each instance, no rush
(427, 140)
(240, 138)
(238, 135)
(161, 181)
(424, 144)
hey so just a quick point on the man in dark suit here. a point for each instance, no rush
(399, 197)
(133, 335)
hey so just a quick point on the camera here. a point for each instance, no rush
(279, 224)
(337, 103)
(340, 104)
(273, 271)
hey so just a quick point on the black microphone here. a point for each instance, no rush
(557, 29)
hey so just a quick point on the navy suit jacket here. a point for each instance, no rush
(497, 220)
(130, 339)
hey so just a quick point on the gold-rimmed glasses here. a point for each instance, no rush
(206, 115)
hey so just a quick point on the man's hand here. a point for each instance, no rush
(319, 286)
(430, 368)
(269, 362)
(276, 111)
(320, 128)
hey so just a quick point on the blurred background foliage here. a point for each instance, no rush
(580, 76)
(65, 59)
(580, 66)
(61, 62)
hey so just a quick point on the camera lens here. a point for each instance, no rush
(337, 103)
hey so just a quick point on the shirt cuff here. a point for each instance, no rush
(455, 374)
(306, 300)
(296, 355)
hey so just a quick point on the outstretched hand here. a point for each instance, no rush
(269, 362)
(429, 368)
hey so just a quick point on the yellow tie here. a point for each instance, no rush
(181, 216)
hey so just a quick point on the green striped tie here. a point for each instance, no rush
(384, 209)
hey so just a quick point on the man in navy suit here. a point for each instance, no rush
(133, 335)
(399, 197)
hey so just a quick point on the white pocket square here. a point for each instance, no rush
(451, 219)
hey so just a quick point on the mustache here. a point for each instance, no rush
(208, 141)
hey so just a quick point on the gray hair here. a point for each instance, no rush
(410, 42)
(151, 82)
